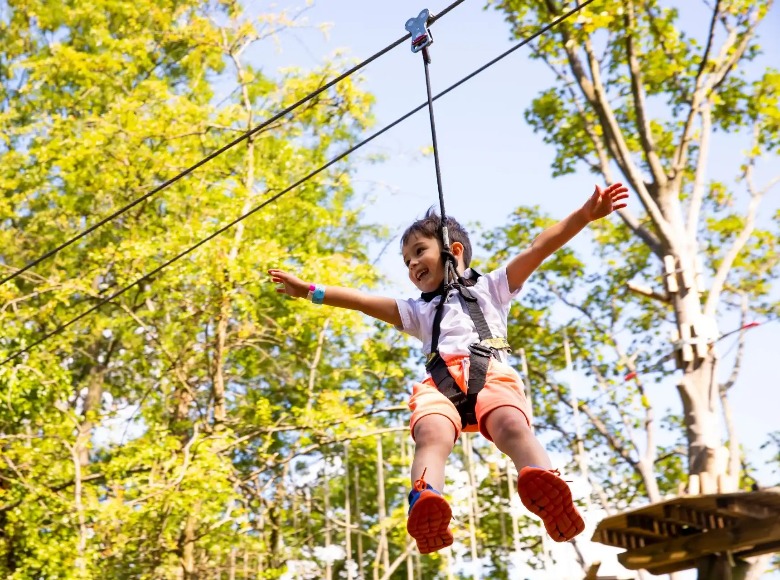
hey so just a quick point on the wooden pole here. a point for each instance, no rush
(575, 407)
(347, 512)
(405, 461)
(512, 495)
(380, 469)
(546, 560)
(361, 569)
(447, 557)
(467, 457)
(326, 521)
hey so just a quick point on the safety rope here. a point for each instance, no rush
(272, 199)
(421, 43)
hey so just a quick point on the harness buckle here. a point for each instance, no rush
(480, 349)
(430, 360)
(418, 27)
(496, 342)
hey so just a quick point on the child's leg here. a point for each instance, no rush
(429, 513)
(434, 438)
(541, 490)
(510, 432)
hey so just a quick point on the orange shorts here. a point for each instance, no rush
(503, 388)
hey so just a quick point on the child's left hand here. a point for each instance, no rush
(604, 201)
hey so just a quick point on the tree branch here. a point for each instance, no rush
(314, 446)
(710, 38)
(640, 106)
(730, 55)
(731, 431)
(185, 465)
(598, 146)
(648, 292)
(741, 341)
(593, 90)
(648, 237)
(680, 158)
(599, 425)
(283, 428)
(719, 279)
(620, 148)
(697, 195)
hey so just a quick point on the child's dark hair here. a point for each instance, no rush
(430, 227)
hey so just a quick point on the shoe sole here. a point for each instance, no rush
(429, 522)
(546, 495)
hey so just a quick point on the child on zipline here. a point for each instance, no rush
(501, 412)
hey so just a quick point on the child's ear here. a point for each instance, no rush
(457, 250)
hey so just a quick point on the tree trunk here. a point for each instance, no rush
(326, 494)
(697, 358)
(705, 456)
(382, 548)
(511, 493)
(397, 562)
(468, 459)
(218, 372)
(347, 514)
(699, 393)
(718, 567)
(91, 411)
(721, 567)
(220, 412)
(361, 570)
(81, 546)
(187, 550)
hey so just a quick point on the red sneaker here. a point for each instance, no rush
(546, 495)
(429, 518)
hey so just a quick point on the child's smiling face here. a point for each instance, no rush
(422, 256)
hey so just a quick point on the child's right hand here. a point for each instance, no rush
(289, 284)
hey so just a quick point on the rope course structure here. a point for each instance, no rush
(674, 535)
(18, 353)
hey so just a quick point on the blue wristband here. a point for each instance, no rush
(319, 294)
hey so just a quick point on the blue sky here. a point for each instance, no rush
(491, 161)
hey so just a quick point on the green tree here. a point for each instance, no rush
(155, 438)
(638, 98)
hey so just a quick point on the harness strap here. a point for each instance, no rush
(479, 357)
(468, 299)
(472, 307)
(449, 388)
(437, 316)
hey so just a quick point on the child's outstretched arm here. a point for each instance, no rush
(379, 307)
(602, 203)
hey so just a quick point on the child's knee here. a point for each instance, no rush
(433, 430)
(506, 423)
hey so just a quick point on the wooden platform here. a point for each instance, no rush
(671, 535)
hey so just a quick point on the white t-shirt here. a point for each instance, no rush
(457, 328)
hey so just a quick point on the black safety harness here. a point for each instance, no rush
(480, 352)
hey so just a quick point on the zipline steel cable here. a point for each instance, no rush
(221, 150)
(275, 197)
